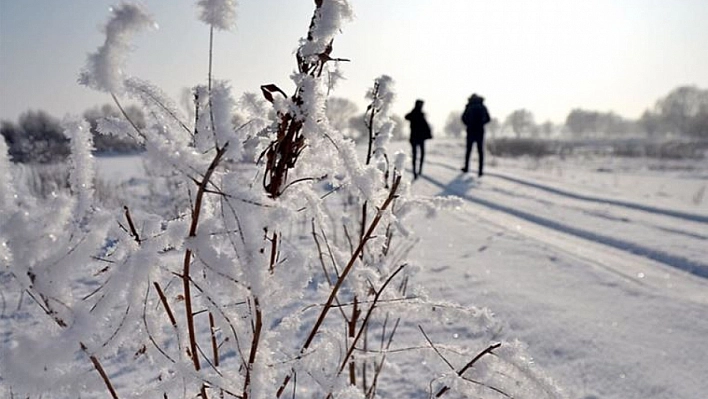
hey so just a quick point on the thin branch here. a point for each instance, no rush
(467, 366)
(165, 304)
(125, 115)
(432, 345)
(147, 328)
(164, 108)
(214, 346)
(101, 371)
(196, 211)
(367, 317)
(133, 230)
(258, 325)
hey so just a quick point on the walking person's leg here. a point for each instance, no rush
(414, 154)
(480, 152)
(422, 157)
(468, 152)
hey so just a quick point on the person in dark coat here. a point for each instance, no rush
(475, 117)
(420, 131)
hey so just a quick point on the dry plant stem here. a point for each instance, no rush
(133, 230)
(125, 115)
(188, 260)
(94, 360)
(370, 124)
(214, 345)
(283, 153)
(370, 128)
(165, 304)
(320, 253)
(211, 54)
(149, 334)
(356, 312)
(364, 363)
(322, 263)
(471, 363)
(273, 252)
(211, 107)
(101, 371)
(345, 272)
(257, 328)
(378, 368)
(366, 319)
(164, 108)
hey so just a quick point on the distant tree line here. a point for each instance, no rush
(683, 112)
(37, 137)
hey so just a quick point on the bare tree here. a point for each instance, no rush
(340, 112)
(453, 125)
(521, 121)
(685, 111)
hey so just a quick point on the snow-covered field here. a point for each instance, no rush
(600, 266)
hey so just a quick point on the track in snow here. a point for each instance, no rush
(534, 208)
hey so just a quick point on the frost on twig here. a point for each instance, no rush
(105, 69)
(221, 14)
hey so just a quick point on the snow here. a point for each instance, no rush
(602, 279)
(602, 272)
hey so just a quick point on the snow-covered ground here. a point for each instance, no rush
(600, 266)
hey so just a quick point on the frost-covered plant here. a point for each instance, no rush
(105, 68)
(282, 274)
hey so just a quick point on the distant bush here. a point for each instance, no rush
(36, 138)
(516, 147)
(537, 148)
(662, 150)
(107, 143)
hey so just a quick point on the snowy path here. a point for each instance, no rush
(610, 293)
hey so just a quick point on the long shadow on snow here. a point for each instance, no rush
(458, 187)
(626, 204)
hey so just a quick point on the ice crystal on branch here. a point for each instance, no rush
(326, 23)
(82, 163)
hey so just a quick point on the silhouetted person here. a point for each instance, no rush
(475, 117)
(420, 131)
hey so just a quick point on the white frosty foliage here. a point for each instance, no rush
(400, 160)
(82, 162)
(8, 196)
(221, 14)
(8, 204)
(329, 19)
(222, 104)
(382, 94)
(105, 68)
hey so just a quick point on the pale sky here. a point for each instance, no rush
(548, 56)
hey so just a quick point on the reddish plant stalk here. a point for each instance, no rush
(257, 328)
(186, 280)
